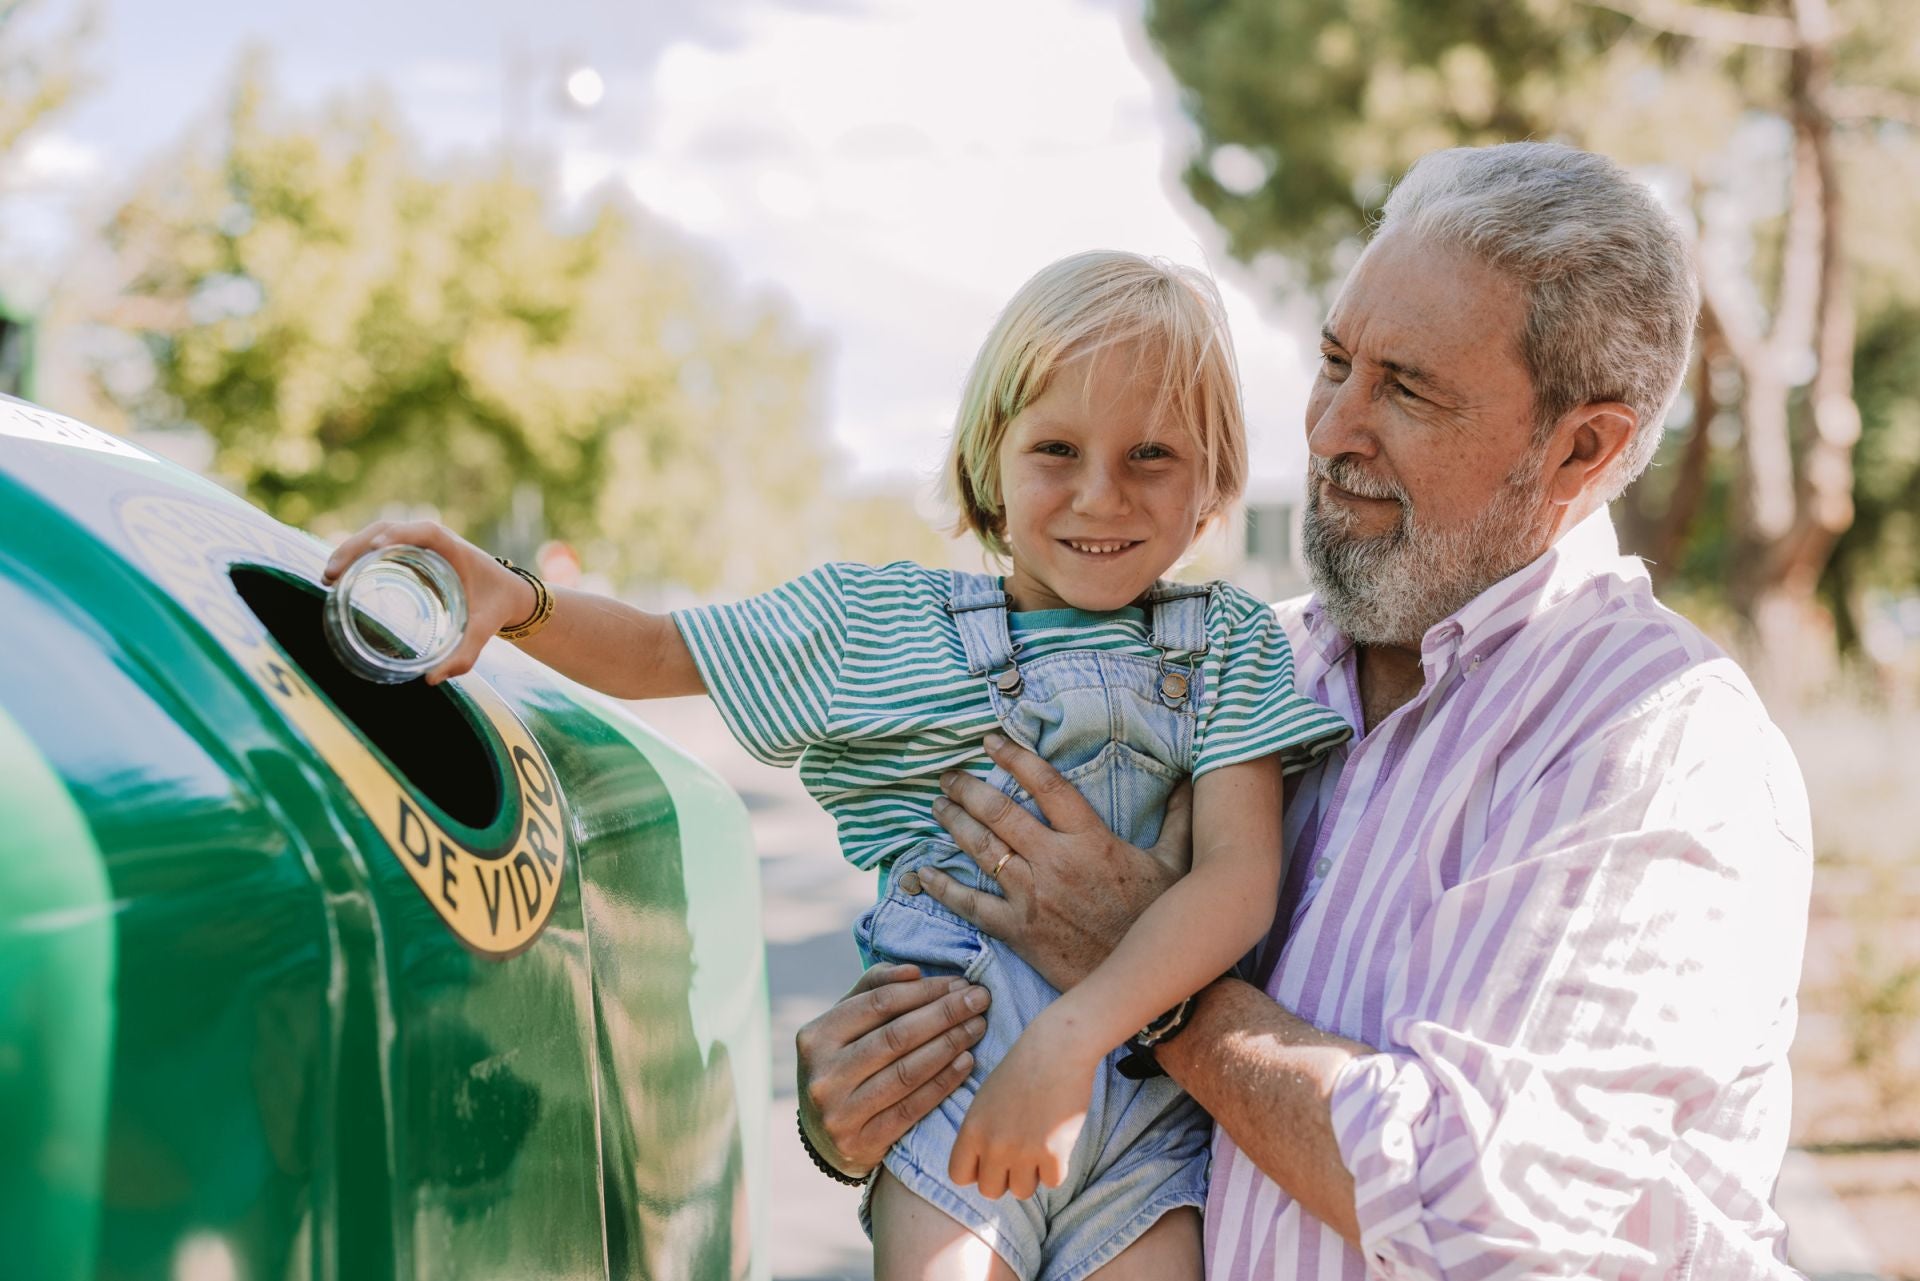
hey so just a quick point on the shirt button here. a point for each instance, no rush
(1324, 866)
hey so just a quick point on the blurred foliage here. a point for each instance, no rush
(1881, 1000)
(1334, 100)
(360, 334)
(880, 527)
(1882, 549)
(39, 69)
(1308, 111)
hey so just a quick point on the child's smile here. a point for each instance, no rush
(1102, 495)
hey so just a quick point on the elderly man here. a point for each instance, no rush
(1526, 1004)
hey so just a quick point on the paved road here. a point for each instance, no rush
(809, 901)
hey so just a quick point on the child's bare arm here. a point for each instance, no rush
(1020, 1131)
(613, 647)
(597, 641)
(1194, 932)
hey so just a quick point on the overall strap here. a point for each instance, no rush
(979, 610)
(1177, 615)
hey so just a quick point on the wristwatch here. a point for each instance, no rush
(1142, 1061)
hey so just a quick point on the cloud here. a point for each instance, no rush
(897, 167)
(449, 78)
(902, 170)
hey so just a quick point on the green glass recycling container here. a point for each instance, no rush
(307, 977)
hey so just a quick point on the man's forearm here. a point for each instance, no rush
(1266, 1077)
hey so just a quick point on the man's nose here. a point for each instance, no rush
(1340, 420)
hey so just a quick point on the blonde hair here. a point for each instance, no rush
(1083, 304)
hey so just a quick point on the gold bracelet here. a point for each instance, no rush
(542, 605)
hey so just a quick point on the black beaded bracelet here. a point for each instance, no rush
(823, 1165)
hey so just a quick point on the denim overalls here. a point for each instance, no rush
(1120, 727)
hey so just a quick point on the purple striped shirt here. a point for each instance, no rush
(1564, 891)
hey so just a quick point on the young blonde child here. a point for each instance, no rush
(1099, 432)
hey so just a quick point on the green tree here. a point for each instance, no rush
(39, 70)
(1788, 130)
(359, 332)
(39, 73)
(881, 526)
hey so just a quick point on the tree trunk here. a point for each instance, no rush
(1658, 527)
(1824, 500)
(1762, 512)
(1792, 651)
(1690, 478)
(1790, 510)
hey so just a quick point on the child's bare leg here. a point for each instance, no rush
(913, 1241)
(1167, 1251)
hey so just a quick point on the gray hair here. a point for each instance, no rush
(1611, 294)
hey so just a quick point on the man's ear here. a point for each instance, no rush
(1587, 444)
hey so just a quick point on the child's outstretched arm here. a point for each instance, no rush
(1022, 1125)
(597, 641)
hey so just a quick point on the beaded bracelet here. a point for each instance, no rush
(823, 1165)
(542, 605)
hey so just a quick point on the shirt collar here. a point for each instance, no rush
(1588, 551)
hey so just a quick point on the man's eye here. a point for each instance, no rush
(1403, 391)
(1332, 366)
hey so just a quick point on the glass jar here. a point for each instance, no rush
(396, 613)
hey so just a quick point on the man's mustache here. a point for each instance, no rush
(1344, 470)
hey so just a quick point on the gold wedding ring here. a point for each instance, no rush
(995, 873)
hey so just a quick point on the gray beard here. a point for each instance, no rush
(1390, 589)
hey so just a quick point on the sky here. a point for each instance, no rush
(896, 168)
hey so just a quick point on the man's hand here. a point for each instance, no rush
(881, 1058)
(1072, 887)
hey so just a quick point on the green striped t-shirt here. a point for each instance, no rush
(857, 673)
